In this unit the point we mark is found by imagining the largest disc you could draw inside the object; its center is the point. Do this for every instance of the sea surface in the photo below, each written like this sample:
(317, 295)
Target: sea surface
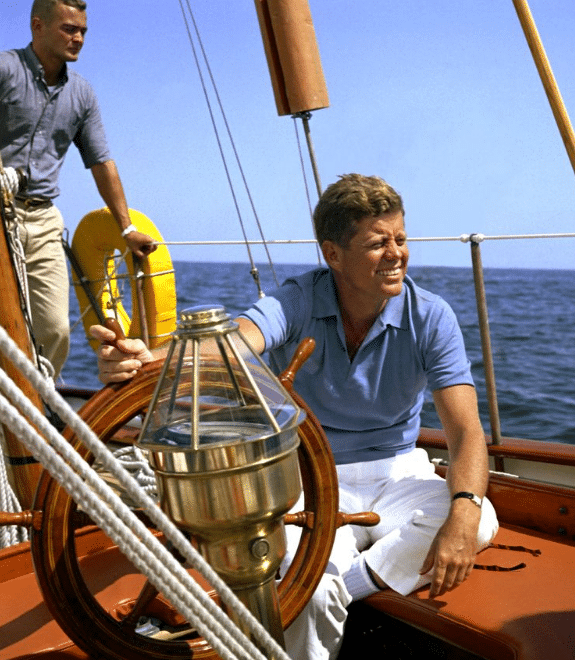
(531, 317)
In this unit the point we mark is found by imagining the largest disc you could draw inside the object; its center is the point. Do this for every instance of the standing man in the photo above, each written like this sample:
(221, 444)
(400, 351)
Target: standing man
(44, 107)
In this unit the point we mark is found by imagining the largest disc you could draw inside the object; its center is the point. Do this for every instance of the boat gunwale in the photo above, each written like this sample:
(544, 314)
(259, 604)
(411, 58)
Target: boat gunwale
(539, 451)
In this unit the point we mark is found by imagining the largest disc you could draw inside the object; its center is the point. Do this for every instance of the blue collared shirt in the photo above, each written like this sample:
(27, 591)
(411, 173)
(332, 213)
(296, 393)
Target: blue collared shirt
(369, 407)
(37, 125)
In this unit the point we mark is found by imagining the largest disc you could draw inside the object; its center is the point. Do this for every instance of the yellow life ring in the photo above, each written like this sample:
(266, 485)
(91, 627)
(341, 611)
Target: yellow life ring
(95, 241)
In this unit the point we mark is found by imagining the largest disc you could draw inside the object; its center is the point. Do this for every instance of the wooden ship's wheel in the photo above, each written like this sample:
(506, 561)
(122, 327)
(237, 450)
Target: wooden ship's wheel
(102, 633)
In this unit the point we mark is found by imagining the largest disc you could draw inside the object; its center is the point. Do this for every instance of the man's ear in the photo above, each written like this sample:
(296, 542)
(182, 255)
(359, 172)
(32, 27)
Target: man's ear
(35, 24)
(331, 253)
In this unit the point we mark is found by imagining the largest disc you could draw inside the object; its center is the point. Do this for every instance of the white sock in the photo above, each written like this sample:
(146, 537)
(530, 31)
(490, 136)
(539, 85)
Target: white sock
(358, 580)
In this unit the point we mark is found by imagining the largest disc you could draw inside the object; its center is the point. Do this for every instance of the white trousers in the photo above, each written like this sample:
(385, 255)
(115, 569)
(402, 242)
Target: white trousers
(412, 502)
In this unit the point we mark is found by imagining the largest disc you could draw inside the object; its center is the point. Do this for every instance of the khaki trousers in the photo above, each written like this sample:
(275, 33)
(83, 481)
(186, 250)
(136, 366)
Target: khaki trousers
(40, 229)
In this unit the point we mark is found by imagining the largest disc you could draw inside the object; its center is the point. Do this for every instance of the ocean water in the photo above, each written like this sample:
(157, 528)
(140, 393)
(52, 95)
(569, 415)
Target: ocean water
(531, 317)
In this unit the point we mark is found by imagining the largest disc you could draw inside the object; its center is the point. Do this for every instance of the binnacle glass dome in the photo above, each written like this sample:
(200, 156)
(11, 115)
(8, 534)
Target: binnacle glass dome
(214, 390)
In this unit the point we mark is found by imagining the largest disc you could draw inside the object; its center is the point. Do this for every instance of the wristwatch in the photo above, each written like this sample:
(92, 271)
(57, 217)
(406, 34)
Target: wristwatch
(470, 496)
(129, 229)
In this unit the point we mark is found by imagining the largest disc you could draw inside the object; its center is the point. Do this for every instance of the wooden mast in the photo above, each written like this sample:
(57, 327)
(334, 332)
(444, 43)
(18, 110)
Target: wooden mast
(21, 465)
(547, 78)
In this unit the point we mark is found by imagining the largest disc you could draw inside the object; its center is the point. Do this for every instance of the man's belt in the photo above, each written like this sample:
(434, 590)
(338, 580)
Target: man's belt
(33, 201)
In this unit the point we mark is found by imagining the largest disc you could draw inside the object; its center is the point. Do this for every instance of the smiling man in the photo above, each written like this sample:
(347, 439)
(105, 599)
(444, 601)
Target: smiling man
(44, 107)
(380, 342)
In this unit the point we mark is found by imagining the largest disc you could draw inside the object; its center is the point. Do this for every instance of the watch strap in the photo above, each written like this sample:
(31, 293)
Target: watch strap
(470, 496)
(128, 230)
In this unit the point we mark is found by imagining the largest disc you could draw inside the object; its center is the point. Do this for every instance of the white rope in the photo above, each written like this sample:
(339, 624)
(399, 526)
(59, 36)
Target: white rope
(19, 257)
(132, 459)
(9, 180)
(117, 519)
(158, 564)
(155, 562)
(9, 535)
(46, 367)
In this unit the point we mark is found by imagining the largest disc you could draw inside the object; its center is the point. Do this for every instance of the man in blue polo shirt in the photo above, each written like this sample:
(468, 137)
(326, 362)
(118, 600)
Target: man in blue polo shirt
(44, 107)
(380, 342)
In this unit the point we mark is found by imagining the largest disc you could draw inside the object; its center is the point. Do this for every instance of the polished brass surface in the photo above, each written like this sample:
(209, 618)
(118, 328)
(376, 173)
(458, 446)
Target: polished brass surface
(208, 504)
(234, 448)
(221, 436)
(205, 320)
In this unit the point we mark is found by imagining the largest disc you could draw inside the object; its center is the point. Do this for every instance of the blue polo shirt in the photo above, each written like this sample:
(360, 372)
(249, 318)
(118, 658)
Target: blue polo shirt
(369, 408)
(38, 124)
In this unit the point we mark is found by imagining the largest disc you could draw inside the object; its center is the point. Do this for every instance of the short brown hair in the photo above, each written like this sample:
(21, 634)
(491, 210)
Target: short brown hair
(346, 202)
(45, 8)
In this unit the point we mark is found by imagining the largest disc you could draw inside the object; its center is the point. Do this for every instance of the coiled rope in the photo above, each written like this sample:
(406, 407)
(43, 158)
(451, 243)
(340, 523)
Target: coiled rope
(119, 522)
(9, 535)
(132, 459)
(9, 180)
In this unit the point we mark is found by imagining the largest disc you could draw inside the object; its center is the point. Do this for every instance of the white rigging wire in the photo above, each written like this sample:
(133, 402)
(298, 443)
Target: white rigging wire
(463, 238)
(246, 242)
(305, 183)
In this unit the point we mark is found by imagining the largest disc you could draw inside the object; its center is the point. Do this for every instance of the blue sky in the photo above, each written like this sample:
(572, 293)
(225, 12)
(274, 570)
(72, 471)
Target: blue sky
(440, 98)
